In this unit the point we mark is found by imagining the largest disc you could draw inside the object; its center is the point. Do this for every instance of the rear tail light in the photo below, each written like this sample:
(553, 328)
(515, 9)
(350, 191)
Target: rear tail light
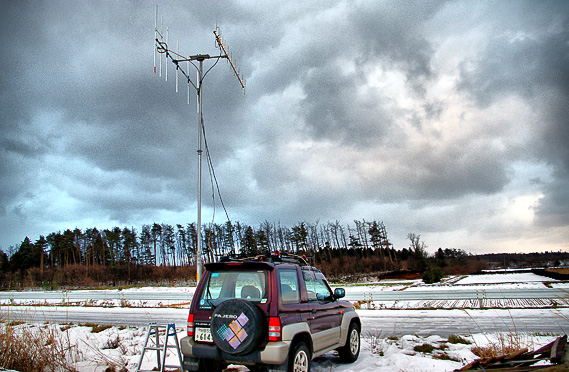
(190, 324)
(275, 329)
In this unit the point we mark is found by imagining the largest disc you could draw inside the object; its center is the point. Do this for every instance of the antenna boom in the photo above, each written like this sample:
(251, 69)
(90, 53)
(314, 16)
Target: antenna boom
(225, 54)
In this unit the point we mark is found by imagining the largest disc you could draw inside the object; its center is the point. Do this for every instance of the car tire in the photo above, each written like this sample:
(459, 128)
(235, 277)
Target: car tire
(210, 365)
(257, 368)
(349, 353)
(237, 326)
(300, 358)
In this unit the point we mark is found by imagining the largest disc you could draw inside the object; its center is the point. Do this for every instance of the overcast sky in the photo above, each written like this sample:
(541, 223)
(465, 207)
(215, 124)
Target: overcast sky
(448, 119)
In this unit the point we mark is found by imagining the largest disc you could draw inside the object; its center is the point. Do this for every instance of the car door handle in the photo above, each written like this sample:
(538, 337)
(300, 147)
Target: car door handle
(313, 311)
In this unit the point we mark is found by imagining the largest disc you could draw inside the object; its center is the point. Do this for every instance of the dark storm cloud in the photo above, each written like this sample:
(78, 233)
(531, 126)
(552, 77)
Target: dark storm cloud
(360, 34)
(86, 69)
(432, 174)
(348, 109)
(334, 110)
(553, 209)
(394, 31)
(533, 64)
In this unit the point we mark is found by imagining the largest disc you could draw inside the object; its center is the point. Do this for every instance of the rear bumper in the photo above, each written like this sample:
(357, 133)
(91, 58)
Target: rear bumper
(273, 353)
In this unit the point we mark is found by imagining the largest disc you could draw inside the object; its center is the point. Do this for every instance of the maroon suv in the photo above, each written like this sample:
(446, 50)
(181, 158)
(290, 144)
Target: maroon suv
(267, 313)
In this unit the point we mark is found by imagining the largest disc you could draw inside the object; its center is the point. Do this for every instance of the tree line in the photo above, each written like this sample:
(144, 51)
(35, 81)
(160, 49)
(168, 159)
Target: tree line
(163, 251)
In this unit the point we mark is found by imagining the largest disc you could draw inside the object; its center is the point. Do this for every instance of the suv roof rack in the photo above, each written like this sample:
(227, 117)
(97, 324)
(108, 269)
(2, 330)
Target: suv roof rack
(271, 257)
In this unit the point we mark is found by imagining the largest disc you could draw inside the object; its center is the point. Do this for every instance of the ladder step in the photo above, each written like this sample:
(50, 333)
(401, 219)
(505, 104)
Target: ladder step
(160, 347)
(157, 348)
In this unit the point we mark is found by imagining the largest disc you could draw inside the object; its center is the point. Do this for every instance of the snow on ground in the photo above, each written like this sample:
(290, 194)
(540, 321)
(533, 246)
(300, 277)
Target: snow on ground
(382, 285)
(120, 347)
(503, 278)
(480, 286)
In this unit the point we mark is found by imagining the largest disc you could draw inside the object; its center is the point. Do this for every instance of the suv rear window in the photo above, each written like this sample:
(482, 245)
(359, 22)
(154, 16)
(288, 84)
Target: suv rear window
(225, 285)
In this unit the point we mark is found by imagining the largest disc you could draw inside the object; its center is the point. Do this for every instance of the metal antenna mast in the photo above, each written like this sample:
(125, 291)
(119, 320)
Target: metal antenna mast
(161, 47)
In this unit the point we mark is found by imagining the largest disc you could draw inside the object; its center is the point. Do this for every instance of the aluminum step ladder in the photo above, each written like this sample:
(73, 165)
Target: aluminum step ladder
(153, 336)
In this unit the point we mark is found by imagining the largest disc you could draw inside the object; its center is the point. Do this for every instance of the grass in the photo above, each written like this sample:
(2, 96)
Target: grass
(456, 339)
(96, 328)
(494, 345)
(373, 284)
(424, 348)
(14, 323)
(427, 348)
(30, 349)
(444, 356)
(439, 349)
(118, 287)
(502, 344)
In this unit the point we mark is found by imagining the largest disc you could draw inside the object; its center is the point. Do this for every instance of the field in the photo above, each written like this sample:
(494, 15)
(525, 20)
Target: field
(92, 348)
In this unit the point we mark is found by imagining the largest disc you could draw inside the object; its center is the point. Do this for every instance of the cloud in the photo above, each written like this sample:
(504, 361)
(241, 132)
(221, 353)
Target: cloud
(533, 64)
(443, 118)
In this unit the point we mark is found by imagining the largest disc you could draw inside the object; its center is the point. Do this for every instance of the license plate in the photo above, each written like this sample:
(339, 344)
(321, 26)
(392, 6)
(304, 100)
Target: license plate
(203, 335)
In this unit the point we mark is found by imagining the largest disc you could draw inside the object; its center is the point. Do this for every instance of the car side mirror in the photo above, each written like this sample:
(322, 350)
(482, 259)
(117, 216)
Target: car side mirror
(339, 293)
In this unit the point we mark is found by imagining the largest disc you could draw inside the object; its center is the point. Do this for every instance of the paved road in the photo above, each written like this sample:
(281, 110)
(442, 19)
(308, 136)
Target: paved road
(447, 322)
(381, 323)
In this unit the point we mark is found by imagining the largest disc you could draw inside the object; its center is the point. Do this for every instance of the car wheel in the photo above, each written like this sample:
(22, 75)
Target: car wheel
(300, 358)
(349, 353)
(237, 326)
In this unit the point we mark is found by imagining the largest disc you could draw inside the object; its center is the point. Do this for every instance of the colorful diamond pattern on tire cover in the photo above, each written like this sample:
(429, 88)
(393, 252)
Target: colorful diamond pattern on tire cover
(234, 334)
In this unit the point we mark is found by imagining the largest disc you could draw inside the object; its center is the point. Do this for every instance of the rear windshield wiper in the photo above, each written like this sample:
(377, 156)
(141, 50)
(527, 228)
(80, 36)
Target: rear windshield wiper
(208, 298)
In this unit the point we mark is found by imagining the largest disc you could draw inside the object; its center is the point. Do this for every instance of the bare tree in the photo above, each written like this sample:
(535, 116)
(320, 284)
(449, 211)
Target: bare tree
(417, 246)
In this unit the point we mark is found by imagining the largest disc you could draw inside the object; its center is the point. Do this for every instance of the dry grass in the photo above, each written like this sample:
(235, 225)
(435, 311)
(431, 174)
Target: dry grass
(502, 344)
(424, 348)
(29, 349)
(559, 270)
(96, 328)
(456, 339)
(48, 347)
(375, 342)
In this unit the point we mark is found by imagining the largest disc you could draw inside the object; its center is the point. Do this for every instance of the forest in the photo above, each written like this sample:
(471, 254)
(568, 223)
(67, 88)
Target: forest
(162, 253)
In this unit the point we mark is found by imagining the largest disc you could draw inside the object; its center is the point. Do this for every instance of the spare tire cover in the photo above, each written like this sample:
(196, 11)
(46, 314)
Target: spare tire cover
(237, 326)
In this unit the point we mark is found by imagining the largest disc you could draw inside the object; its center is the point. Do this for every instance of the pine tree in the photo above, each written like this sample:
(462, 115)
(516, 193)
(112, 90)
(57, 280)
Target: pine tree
(40, 246)
(228, 239)
(249, 243)
(156, 232)
(299, 236)
(168, 246)
(27, 256)
(192, 233)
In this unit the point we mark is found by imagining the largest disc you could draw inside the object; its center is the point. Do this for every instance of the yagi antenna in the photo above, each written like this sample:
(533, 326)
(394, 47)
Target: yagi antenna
(161, 48)
(222, 48)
